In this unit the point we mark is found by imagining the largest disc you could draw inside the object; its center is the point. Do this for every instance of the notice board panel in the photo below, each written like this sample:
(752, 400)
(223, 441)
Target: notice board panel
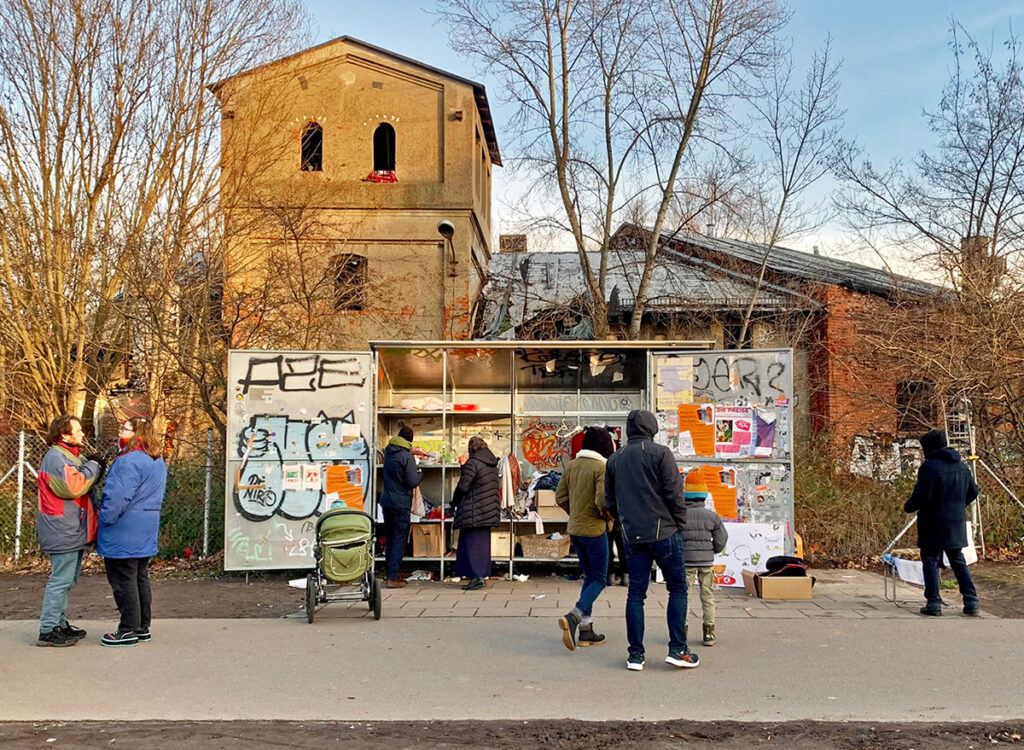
(728, 415)
(299, 429)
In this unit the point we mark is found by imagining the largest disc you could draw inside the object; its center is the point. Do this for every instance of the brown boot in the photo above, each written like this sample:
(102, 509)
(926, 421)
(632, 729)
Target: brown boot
(396, 584)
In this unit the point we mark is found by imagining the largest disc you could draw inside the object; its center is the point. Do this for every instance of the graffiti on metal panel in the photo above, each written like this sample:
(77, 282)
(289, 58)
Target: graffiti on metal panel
(270, 441)
(293, 374)
(542, 446)
(717, 377)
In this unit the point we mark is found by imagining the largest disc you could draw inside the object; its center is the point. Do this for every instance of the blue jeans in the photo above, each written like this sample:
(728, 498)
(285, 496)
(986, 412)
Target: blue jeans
(593, 554)
(930, 560)
(65, 568)
(668, 553)
(396, 531)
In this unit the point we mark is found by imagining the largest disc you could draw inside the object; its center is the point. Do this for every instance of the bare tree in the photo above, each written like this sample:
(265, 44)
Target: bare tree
(611, 96)
(957, 209)
(108, 153)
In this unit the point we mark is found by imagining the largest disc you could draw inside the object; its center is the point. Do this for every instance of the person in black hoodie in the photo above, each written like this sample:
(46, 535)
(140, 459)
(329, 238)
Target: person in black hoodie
(401, 476)
(477, 502)
(644, 491)
(944, 489)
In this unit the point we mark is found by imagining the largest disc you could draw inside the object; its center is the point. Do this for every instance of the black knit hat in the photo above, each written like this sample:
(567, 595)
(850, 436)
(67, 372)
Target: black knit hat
(405, 433)
(598, 440)
(933, 441)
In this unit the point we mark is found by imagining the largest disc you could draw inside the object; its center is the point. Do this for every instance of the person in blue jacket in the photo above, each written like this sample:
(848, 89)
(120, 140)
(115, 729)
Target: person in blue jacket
(129, 522)
(401, 476)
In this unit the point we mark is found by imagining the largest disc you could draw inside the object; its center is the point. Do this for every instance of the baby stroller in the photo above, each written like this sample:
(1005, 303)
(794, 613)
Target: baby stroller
(344, 562)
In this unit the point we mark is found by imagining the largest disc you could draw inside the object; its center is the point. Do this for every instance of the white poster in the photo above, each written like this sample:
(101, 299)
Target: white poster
(749, 546)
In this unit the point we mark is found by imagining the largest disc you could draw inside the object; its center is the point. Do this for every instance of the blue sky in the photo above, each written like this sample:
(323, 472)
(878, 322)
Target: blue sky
(895, 56)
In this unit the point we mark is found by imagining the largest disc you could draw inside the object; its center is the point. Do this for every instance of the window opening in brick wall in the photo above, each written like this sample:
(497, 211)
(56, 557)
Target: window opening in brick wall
(312, 157)
(731, 335)
(384, 148)
(349, 281)
(915, 402)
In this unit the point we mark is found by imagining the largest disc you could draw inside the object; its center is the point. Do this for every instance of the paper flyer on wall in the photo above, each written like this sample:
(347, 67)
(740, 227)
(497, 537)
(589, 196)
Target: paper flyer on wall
(734, 431)
(346, 482)
(292, 477)
(675, 382)
(764, 425)
(311, 479)
(749, 547)
(698, 420)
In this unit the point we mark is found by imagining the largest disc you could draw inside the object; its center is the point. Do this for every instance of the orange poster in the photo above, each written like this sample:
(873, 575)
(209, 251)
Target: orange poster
(721, 484)
(698, 421)
(347, 481)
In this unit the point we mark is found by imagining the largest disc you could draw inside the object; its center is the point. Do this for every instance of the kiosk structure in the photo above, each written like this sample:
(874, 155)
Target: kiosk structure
(307, 429)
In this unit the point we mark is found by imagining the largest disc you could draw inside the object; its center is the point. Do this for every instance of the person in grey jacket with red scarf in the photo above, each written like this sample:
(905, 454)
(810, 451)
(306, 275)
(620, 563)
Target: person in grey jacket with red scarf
(66, 523)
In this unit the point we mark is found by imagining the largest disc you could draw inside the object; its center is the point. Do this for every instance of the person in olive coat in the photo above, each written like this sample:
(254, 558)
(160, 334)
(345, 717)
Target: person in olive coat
(477, 502)
(944, 489)
(581, 493)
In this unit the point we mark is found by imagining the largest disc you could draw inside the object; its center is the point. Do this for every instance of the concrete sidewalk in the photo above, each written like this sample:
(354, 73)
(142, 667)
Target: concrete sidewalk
(789, 665)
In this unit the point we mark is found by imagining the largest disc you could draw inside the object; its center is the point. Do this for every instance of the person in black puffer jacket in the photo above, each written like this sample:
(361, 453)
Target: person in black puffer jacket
(400, 476)
(477, 502)
(944, 489)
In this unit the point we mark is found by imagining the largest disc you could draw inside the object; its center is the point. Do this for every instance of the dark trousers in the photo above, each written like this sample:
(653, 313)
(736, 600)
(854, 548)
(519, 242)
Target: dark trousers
(931, 559)
(396, 531)
(617, 550)
(129, 579)
(668, 553)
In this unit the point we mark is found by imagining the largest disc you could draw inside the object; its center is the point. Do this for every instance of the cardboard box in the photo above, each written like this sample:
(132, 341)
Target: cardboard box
(552, 513)
(501, 543)
(426, 539)
(777, 587)
(546, 499)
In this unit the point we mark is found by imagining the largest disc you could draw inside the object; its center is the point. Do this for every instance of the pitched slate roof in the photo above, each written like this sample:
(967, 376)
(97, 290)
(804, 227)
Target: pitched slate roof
(524, 284)
(785, 261)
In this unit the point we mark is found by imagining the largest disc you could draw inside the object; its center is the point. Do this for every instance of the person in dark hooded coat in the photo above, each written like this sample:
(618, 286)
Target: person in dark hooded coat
(477, 502)
(944, 489)
(644, 491)
(400, 476)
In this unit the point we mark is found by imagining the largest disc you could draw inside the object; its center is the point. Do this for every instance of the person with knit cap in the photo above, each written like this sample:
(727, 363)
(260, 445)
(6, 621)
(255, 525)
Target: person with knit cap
(400, 476)
(704, 536)
(944, 489)
(581, 494)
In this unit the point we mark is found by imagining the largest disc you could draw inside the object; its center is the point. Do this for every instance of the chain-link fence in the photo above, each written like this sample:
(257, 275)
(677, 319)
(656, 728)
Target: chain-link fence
(191, 523)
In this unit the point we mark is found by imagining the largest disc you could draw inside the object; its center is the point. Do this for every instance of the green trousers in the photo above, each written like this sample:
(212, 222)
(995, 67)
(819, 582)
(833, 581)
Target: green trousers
(706, 580)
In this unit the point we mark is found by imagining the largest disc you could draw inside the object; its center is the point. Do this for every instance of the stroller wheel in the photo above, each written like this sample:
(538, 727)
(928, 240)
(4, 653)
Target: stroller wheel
(310, 597)
(376, 599)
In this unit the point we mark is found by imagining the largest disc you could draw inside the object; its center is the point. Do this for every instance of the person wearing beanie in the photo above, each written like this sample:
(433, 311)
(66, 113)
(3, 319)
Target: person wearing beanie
(703, 538)
(400, 476)
(944, 489)
(581, 494)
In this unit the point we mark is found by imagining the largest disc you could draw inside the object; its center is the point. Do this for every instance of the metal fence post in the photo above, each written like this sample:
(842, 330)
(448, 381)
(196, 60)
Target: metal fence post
(207, 491)
(21, 494)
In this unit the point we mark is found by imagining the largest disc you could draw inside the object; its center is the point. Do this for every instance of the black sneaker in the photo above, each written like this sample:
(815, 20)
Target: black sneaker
(635, 662)
(587, 636)
(683, 659)
(972, 610)
(127, 638)
(931, 611)
(569, 623)
(143, 635)
(56, 637)
(69, 629)
(474, 584)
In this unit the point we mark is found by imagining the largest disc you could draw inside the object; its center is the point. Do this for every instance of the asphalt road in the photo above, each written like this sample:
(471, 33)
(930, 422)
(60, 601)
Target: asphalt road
(948, 669)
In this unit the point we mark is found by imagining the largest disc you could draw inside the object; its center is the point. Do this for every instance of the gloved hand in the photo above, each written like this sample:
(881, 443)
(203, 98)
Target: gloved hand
(100, 460)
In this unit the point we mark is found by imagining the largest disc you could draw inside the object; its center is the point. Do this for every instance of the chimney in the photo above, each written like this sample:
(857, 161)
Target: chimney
(512, 243)
(978, 266)
(709, 229)
(816, 250)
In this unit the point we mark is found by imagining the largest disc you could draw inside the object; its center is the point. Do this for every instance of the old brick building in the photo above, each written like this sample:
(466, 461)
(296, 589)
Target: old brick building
(832, 312)
(356, 191)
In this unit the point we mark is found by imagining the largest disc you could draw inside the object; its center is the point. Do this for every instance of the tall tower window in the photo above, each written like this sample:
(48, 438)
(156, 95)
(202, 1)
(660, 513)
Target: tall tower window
(349, 273)
(384, 148)
(312, 148)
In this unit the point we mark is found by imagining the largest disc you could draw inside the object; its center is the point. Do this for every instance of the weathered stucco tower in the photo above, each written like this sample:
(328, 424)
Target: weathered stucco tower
(356, 194)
